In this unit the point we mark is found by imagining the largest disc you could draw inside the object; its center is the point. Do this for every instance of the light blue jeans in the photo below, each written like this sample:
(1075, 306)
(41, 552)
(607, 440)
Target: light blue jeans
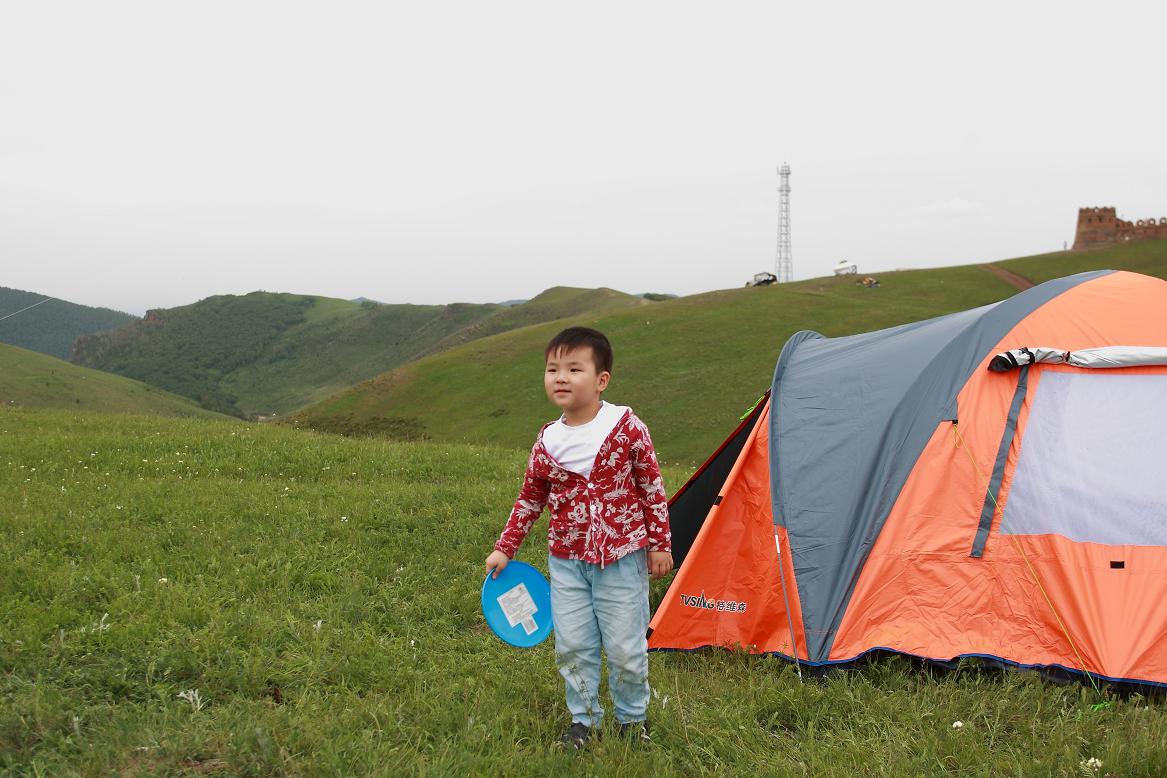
(593, 607)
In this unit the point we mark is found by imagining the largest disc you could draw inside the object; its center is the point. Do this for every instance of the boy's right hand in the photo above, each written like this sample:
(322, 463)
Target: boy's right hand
(496, 562)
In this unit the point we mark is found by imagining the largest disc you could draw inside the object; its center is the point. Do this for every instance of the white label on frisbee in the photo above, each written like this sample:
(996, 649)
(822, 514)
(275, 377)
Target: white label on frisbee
(518, 607)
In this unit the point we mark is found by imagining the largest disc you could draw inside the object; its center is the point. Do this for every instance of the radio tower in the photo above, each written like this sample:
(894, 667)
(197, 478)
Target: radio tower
(784, 263)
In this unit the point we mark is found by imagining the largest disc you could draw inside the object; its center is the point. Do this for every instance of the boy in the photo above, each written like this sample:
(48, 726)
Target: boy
(596, 470)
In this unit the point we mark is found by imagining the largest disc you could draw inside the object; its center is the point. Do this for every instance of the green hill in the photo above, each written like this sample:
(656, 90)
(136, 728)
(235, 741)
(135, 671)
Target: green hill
(555, 303)
(37, 380)
(689, 366)
(268, 353)
(51, 327)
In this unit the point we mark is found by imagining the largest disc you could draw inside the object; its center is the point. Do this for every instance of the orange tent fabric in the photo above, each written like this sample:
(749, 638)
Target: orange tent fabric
(734, 563)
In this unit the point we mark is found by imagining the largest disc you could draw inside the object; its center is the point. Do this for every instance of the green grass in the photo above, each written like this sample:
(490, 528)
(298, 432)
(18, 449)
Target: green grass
(689, 366)
(322, 595)
(35, 380)
(1146, 257)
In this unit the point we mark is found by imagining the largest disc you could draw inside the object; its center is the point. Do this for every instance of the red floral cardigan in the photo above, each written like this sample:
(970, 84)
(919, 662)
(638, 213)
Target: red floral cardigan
(622, 508)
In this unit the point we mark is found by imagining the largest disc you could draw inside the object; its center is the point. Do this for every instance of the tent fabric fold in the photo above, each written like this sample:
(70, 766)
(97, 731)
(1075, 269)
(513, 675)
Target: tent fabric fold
(1104, 357)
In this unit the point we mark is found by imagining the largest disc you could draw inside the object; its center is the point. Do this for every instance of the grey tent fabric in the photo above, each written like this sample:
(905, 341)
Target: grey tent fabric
(849, 417)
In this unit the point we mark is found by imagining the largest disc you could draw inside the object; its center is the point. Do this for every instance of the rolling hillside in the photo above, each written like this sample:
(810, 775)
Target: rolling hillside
(556, 303)
(51, 327)
(29, 379)
(268, 353)
(689, 366)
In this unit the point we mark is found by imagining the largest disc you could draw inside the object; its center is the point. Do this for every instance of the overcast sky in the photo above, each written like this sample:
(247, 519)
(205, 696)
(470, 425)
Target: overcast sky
(155, 153)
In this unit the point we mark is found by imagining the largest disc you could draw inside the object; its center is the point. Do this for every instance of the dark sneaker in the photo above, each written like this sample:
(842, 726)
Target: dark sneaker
(578, 735)
(636, 731)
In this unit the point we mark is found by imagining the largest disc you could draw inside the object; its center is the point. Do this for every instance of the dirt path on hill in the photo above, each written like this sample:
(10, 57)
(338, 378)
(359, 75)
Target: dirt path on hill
(1008, 276)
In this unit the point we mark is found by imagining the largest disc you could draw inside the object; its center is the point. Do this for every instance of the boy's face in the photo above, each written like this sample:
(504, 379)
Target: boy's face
(571, 379)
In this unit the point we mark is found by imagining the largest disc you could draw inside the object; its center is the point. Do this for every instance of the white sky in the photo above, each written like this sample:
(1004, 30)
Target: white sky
(154, 153)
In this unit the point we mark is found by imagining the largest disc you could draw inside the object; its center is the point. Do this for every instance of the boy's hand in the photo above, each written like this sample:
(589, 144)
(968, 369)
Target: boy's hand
(498, 560)
(659, 563)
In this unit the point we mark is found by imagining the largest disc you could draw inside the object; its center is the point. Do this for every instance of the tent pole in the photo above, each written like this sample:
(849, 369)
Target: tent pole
(786, 600)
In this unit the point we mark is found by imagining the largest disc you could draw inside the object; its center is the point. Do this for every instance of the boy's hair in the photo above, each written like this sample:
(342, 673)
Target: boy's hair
(578, 337)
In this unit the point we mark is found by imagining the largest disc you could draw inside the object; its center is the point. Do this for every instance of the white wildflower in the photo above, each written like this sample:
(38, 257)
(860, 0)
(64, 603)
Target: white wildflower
(162, 580)
(318, 624)
(957, 724)
(192, 696)
(1093, 763)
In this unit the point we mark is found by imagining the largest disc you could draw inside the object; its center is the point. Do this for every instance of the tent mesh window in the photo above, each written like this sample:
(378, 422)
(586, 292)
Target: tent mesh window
(1090, 466)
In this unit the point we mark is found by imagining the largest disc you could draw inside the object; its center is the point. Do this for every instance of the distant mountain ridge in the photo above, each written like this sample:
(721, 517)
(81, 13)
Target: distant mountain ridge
(271, 353)
(51, 327)
(552, 304)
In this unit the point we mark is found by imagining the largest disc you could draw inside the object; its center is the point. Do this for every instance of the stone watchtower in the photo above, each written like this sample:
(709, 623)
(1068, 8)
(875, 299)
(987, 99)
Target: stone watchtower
(1096, 227)
(1101, 227)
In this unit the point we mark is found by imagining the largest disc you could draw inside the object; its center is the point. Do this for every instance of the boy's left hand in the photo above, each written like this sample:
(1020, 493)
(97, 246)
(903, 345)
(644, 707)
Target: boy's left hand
(659, 563)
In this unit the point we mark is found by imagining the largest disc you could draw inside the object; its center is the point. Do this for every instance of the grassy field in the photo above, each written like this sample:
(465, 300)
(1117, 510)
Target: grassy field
(199, 597)
(689, 366)
(35, 380)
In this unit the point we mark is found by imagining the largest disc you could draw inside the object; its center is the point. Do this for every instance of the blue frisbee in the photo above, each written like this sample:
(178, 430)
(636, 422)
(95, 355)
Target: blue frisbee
(517, 605)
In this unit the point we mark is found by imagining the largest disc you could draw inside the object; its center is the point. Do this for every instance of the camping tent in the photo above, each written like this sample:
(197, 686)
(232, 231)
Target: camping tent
(990, 483)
